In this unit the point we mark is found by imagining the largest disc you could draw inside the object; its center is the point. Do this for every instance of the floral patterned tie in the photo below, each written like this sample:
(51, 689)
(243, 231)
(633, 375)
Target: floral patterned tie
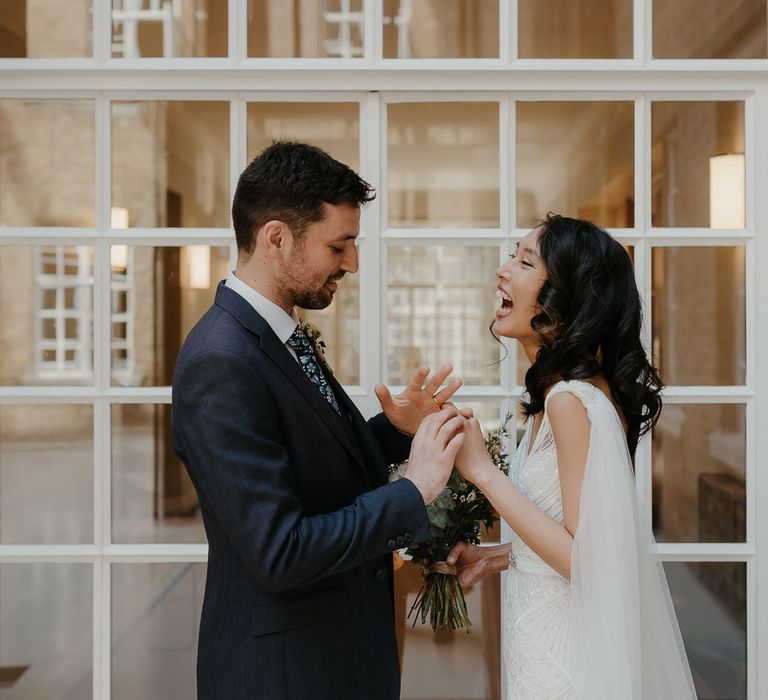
(308, 361)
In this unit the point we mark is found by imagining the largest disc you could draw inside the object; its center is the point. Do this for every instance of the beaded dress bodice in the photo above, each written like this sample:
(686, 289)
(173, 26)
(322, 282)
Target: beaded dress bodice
(541, 653)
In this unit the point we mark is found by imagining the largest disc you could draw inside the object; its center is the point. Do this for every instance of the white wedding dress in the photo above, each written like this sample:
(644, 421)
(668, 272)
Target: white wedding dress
(611, 633)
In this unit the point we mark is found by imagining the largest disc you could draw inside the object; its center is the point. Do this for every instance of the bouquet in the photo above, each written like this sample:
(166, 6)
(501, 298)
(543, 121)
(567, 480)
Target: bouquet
(455, 515)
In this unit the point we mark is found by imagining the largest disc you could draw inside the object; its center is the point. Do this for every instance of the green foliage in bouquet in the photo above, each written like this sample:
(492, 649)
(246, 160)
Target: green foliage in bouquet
(455, 515)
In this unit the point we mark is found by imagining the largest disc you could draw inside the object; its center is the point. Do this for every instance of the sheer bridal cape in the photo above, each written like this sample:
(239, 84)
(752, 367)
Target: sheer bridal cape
(631, 648)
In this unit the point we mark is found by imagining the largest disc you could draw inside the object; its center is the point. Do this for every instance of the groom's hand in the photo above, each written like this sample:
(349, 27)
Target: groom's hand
(433, 451)
(418, 400)
(474, 563)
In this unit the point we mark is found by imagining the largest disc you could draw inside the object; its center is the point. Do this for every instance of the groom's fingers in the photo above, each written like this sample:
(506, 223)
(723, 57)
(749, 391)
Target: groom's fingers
(439, 377)
(383, 395)
(445, 393)
(417, 382)
(455, 553)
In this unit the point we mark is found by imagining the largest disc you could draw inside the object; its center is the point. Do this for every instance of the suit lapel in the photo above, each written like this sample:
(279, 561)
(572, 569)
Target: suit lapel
(249, 318)
(276, 352)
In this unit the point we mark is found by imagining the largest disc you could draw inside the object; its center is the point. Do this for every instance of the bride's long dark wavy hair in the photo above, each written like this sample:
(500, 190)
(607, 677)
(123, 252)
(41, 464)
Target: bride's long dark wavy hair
(590, 323)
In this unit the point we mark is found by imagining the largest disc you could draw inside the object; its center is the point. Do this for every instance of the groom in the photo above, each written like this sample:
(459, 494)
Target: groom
(292, 481)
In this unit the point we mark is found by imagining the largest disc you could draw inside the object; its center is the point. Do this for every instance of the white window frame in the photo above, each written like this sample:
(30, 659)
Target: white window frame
(375, 82)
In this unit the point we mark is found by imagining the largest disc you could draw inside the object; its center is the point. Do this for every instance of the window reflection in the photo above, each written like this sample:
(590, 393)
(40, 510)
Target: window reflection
(47, 180)
(153, 499)
(687, 138)
(574, 28)
(45, 29)
(710, 602)
(45, 628)
(709, 29)
(576, 159)
(441, 301)
(332, 126)
(699, 472)
(157, 296)
(170, 163)
(317, 29)
(441, 28)
(168, 28)
(46, 474)
(443, 164)
(699, 315)
(46, 315)
(155, 622)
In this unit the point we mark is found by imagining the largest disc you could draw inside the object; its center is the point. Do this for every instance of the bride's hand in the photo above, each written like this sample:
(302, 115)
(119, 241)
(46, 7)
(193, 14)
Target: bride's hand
(472, 461)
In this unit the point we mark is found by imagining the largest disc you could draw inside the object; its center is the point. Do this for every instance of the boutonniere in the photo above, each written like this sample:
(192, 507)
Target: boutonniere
(313, 335)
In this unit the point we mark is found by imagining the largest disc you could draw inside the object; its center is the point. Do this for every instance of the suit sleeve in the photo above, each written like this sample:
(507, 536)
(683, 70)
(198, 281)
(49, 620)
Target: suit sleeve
(228, 433)
(394, 445)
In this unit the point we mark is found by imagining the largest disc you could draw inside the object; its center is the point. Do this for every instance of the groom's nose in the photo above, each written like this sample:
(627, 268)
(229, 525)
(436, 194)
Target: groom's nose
(350, 263)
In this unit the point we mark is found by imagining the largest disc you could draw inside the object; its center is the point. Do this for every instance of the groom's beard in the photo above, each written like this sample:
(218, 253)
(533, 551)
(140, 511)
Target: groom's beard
(316, 298)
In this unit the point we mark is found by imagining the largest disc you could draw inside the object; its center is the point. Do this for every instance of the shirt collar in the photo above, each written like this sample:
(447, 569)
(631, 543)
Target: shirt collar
(279, 321)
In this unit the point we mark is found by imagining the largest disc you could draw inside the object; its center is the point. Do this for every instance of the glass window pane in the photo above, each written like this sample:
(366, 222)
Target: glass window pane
(181, 28)
(332, 126)
(45, 29)
(709, 29)
(699, 472)
(699, 315)
(711, 604)
(46, 474)
(330, 29)
(46, 622)
(574, 29)
(339, 325)
(441, 28)
(158, 294)
(155, 622)
(443, 161)
(575, 159)
(170, 164)
(441, 303)
(697, 162)
(153, 499)
(43, 289)
(449, 664)
(47, 156)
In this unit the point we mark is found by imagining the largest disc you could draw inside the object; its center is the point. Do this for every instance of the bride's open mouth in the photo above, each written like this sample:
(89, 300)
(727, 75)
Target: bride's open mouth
(506, 304)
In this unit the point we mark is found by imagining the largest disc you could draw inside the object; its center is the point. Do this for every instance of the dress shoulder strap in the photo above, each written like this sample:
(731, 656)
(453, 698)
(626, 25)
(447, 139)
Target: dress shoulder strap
(584, 391)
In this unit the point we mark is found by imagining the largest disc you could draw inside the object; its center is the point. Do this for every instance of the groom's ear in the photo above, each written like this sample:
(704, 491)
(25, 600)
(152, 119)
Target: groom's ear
(273, 234)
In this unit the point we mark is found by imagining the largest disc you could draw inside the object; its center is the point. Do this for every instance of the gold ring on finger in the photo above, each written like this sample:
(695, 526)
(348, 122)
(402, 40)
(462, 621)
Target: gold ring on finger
(437, 403)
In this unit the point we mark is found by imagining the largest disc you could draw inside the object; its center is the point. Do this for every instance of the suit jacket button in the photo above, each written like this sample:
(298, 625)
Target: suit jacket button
(408, 537)
(400, 541)
(391, 544)
(381, 574)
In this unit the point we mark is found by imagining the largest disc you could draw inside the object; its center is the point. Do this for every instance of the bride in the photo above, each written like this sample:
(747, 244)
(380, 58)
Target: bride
(586, 611)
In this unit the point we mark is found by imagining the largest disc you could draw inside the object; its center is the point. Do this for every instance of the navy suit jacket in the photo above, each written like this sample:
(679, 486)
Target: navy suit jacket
(300, 520)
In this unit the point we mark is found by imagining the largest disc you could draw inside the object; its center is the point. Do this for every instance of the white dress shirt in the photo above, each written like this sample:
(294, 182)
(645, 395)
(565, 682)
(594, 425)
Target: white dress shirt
(279, 321)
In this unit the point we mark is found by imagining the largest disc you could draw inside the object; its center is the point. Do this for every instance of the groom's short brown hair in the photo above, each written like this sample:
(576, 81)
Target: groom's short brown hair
(290, 182)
